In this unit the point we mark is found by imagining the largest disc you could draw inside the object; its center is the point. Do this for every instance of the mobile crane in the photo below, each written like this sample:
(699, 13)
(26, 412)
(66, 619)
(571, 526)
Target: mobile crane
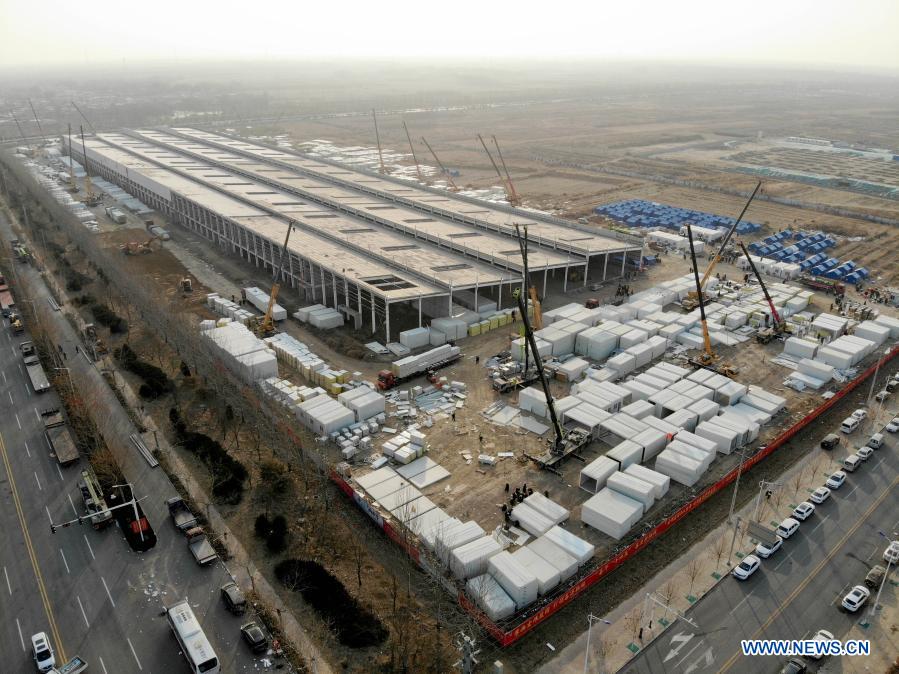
(691, 301)
(768, 333)
(265, 326)
(511, 195)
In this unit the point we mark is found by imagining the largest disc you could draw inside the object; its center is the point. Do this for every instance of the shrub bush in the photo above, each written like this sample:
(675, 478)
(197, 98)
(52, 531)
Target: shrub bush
(106, 316)
(262, 527)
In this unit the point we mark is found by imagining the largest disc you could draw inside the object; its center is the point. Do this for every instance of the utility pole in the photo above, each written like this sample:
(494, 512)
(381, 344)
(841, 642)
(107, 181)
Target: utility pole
(466, 646)
(590, 620)
(733, 503)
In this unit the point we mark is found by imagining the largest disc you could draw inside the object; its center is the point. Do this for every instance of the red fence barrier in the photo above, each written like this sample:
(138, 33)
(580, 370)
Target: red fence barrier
(506, 638)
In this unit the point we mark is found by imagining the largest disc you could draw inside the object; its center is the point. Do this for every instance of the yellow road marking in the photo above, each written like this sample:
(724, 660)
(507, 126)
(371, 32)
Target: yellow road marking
(790, 597)
(57, 639)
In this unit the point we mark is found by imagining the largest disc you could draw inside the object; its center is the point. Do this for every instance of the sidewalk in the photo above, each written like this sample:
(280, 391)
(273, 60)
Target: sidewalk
(691, 576)
(116, 427)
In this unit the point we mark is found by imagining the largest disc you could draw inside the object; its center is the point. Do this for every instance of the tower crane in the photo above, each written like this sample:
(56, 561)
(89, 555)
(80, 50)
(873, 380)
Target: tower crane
(446, 173)
(516, 200)
(39, 128)
(73, 186)
(378, 140)
(690, 302)
(511, 195)
(414, 158)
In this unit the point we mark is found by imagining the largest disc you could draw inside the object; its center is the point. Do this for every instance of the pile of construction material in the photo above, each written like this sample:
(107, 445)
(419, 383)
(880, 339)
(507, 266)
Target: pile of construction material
(405, 447)
(296, 354)
(323, 415)
(451, 329)
(363, 401)
(260, 299)
(319, 316)
(243, 353)
(287, 393)
(225, 307)
(357, 437)
(411, 365)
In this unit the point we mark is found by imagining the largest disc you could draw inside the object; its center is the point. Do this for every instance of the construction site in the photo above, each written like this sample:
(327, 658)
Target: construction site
(518, 404)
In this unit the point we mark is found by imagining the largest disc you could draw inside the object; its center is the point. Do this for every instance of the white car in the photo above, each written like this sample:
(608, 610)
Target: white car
(787, 528)
(860, 414)
(820, 495)
(764, 550)
(893, 426)
(865, 453)
(891, 554)
(803, 511)
(880, 396)
(823, 636)
(746, 568)
(42, 651)
(836, 480)
(856, 598)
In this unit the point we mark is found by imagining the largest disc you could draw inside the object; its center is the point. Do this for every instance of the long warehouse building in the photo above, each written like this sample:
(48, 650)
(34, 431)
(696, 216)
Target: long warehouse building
(360, 242)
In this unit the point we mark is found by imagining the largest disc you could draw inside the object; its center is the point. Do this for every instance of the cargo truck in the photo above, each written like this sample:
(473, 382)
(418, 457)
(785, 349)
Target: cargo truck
(425, 363)
(7, 302)
(132, 521)
(33, 368)
(94, 503)
(59, 437)
(199, 546)
(182, 517)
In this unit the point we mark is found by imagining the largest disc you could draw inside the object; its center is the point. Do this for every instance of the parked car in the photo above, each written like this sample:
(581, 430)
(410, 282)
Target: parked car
(836, 480)
(891, 554)
(893, 426)
(254, 637)
(849, 425)
(880, 396)
(861, 414)
(820, 495)
(787, 528)
(803, 511)
(765, 550)
(830, 441)
(42, 652)
(856, 598)
(746, 568)
(852, 462)
(821, 635)
(875, 576)
(876, 441)
(793, 666)
(865, 453)
(233, 598)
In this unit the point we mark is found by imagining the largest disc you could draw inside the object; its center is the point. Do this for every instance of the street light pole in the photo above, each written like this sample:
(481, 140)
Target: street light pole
(733, 503)
(882, 582)
(874, 378)
(590, 619)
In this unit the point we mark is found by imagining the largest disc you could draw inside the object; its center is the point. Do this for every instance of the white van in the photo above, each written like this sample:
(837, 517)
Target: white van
(876, 441)
(850, 463)
(849, 424)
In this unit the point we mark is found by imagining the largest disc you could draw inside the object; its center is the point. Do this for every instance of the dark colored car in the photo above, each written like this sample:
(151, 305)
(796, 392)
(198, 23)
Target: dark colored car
(233, 598)
(875, 576)
(830, 441)
(254, 637)
(793, 666)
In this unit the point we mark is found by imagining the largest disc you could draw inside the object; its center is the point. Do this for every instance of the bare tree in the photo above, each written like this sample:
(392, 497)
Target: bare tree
(693, 568)
(719, 549)
(666, 592)
(634, 620)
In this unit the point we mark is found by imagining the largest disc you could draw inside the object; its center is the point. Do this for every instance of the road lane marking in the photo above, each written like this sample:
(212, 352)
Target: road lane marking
(4, 376)
(813, 573)
(72, 503)
(37, 414)
(17, 420)
(851, 491)
(823, 520)
(102, 664)
(27, 390)
(13, 349)
(49, 517)
(21, 638)
(9, 393)
(8, 586)
(106, 587)
(734, 609)
(42, 590)
(781, 562)
(90, 549)
(63, 555)
(59, 470)
(687, 654)
(131, 646)
(83, 614)
(39, 487)
(27, 451)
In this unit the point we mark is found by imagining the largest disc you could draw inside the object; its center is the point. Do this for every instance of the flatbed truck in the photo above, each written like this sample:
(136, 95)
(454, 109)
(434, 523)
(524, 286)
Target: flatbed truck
(59, 436)
(33, 368)
(199, 546)
(182, 517)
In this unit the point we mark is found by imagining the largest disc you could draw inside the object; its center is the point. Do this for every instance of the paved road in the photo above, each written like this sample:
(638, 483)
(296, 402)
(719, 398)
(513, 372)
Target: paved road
(87, 589)
(799, 589)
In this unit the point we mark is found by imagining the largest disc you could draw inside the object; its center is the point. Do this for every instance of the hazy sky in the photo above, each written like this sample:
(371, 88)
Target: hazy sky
(808, 32)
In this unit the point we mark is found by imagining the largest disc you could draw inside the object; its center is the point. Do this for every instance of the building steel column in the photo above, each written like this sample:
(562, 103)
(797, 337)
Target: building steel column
(586, 270)
(374, 325)
(605, 266)
(623, 261)
(565, 279)
(387, 322)
(324, 287)
(334, 284)
(419, 310)
(545, 276)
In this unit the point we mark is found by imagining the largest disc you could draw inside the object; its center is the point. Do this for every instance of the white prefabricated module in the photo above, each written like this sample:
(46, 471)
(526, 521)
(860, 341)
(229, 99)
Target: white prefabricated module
(832, 356)
(572, 369)
(594, 474)
(739, 421)
(683, 419)
(514, 577)
(452, 328)
(633, 338)
(452, 537)
(659, 344)
(703, 457)
(872, 331)
(641, 352)
(415, 338)
(633, 487)
(575, 546)
(323, 415)
(260, 299)
(800, 347)
(891, 322)
(678, 467)
(302, 314)
(552, 553)
(471, 559)
(730, 393)
(612, 512)
(427, 521)
(411, 365)
(364, 402)
(547, 507)
(596, 343)
(659, 482)
(663, 425)
(696, 441)
(626, 453)
(622, 363)
(752, 413)
(652, 382)
(638, 409)
(548, 576)
(725, 440)
(326, 319)
(706, 409)
(586, 416)
(533, 400)
(639, 391)
(531, 520)
(652, 440)
(765, 405)
(490, 597)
